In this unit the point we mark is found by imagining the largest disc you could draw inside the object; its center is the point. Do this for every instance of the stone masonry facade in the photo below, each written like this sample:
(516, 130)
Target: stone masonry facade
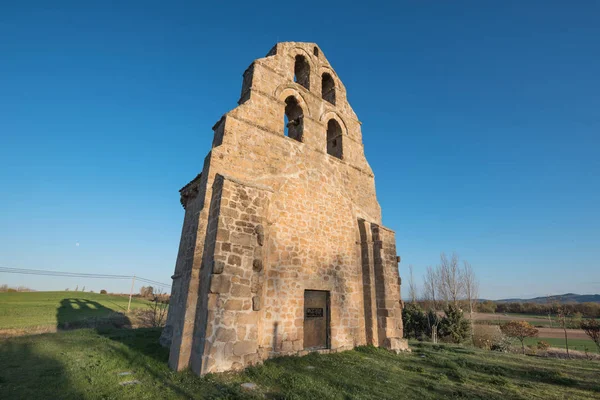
(285, 203)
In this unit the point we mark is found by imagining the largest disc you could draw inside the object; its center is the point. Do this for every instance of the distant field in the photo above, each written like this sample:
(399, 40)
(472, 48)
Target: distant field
(25, 310)
(574, 344)
(508, 317)
(500, 318)
(540, 322)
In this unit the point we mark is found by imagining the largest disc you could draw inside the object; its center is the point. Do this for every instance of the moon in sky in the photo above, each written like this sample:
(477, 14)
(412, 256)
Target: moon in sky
(76, 244)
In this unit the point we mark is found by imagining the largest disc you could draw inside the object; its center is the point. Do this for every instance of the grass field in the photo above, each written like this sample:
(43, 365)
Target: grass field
(23, 310)
(574, 344)
(85, 364)
(536, 322)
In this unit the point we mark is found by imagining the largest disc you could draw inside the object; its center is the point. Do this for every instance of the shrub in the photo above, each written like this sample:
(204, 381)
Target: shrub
(543, 345)
(103, 291)
(147, 291)
(502, 345)
(484, 336)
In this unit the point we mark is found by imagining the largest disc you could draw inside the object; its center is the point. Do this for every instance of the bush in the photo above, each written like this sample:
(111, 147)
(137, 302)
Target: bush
(103, 291)
(484, 336)
(147, 291)
(543, 345)
(502, 345)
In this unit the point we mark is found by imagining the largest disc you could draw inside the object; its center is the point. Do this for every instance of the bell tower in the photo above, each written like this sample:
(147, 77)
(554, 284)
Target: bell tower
(282, 249)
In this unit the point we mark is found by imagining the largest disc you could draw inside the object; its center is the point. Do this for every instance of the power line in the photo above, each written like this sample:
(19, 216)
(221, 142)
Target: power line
(76, 275)
(58, 273)
(151, 281)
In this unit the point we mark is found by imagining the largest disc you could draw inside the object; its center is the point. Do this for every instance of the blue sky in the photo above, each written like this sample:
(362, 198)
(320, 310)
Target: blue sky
(481, 121)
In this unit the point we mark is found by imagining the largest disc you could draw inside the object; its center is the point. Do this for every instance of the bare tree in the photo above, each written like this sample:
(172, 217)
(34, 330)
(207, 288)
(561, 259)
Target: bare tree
(471, 289)
(430, 295)
(430, 287)
(564, 315)
(451, 286)
(158, 308)
(550, 307)
(412, 287)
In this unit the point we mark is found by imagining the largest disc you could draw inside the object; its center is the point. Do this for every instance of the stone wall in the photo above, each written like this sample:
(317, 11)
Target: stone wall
(270, 217)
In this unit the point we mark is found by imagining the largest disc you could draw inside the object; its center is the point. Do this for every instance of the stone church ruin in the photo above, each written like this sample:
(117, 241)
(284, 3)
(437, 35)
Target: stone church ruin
(282, 249)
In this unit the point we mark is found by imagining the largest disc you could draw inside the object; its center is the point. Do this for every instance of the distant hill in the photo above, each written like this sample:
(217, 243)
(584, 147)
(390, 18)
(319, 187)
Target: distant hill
(563, 298)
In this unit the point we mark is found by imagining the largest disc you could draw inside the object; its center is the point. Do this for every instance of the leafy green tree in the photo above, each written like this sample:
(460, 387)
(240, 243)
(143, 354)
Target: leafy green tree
(414, 320)
(454, 326)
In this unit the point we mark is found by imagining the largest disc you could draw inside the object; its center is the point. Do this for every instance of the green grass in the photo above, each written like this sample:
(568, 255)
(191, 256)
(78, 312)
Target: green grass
(84, 364)
(574, 344)
(519, 315)
(19, 310)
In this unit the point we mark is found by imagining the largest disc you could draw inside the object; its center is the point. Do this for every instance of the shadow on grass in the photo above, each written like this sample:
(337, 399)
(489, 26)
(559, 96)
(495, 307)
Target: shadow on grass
(24, 370)
(142, 350)
(76, 313)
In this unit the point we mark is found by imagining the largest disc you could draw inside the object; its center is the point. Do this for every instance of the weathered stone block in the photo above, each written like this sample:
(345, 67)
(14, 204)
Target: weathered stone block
(260, 234)
(256, 303)
(239, 290)
(244, 239)
(255, 285)
(233, 305)
(218, 267)
(244, 347)
(220, 284)
(257, 265)
(225, 335)
(234, 260)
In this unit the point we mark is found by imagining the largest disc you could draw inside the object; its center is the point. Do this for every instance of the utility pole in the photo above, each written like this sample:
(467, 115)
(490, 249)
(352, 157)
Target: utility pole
(131, 293)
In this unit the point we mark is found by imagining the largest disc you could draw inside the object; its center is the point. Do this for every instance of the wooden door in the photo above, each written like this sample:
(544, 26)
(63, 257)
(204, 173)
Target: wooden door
(316, 319)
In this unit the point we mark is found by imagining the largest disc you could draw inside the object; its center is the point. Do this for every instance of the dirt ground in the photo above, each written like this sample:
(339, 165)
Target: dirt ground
(560, 334)
(507, 317)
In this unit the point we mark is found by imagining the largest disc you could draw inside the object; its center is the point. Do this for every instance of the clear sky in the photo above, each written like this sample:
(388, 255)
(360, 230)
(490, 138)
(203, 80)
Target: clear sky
(481, 121)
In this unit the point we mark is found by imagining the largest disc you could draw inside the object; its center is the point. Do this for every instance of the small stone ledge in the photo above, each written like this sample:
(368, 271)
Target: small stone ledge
(248, 184)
